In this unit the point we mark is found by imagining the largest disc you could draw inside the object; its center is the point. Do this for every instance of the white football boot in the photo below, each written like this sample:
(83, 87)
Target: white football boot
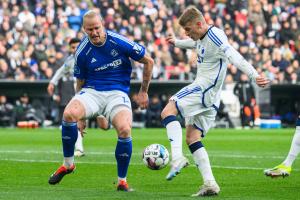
(209, 188)
(176, 166)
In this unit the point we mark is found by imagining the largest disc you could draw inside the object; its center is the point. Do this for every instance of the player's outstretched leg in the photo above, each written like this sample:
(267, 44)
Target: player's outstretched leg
(69, 137)
(284, 169)
(210, 186)
(174, 132)
(278, 171)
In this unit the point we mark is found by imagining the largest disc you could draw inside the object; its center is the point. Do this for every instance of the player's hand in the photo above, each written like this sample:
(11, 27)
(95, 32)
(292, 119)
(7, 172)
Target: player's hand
(50, 89)
(262, 81)
(81, 125)
(171, 39)
(143, 100)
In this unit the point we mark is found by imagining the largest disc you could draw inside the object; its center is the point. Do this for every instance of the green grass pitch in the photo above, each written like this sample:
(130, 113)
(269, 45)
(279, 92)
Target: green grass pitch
(238, 157)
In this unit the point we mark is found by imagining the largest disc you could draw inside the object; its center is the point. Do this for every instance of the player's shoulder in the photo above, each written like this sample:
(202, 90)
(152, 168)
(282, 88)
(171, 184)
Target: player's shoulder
(69, 60)
(118, 39)
(82, 47)
(216, 35)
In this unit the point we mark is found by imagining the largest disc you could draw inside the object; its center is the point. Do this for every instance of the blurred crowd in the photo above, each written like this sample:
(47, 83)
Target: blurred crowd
(34, 34)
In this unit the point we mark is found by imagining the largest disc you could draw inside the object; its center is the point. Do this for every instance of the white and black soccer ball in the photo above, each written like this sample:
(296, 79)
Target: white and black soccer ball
(156, 156)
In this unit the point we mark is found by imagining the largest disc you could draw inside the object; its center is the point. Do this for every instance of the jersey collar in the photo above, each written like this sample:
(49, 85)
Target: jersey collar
(206, 32)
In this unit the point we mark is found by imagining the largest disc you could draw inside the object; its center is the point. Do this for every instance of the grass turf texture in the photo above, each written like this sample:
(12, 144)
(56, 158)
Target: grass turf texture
(238, 157)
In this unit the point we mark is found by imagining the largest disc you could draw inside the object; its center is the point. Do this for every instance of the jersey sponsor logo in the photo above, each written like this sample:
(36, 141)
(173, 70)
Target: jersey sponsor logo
(137, 48)
(114, 53)
(114, 64)
(93, 60)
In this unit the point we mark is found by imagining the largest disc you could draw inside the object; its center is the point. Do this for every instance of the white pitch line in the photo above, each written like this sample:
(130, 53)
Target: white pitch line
(113, 163)
(113, 153)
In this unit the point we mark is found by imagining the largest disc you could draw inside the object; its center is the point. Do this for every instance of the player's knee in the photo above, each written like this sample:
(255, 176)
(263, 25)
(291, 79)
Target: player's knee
(124, 131)
(71, 115)
(163, 114)
(170, 109)
(192, 138)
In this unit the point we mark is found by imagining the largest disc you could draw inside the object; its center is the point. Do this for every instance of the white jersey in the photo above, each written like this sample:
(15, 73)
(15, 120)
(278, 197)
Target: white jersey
(213, 53)
(67, 69)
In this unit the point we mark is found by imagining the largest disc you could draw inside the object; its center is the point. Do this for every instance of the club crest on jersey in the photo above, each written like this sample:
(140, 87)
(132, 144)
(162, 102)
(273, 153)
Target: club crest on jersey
(137, 48)
(114, 53)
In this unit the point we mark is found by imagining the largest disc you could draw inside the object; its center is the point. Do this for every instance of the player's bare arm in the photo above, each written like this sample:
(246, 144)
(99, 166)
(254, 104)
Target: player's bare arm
(79, 84)
(171, 40)
(50, 89)
(262, 81)
(147, 74)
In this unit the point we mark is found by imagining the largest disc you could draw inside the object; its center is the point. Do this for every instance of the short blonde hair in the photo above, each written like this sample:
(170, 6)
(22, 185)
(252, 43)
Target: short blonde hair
(90, 14)
(190, 14)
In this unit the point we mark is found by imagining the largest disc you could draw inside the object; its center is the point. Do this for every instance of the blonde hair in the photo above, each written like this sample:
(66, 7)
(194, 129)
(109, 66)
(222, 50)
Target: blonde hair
(190, 14)
(90, 14)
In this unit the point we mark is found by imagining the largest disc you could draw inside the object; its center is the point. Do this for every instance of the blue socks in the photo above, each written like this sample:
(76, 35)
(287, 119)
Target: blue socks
(69, 137)
(123, 154)
(195, 146)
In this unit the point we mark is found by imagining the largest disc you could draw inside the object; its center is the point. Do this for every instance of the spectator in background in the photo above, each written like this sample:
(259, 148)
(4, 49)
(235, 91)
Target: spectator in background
(6, 112)
(24, 111)
(138, 114)
(250, 114)
(5, 71)
(153, 112)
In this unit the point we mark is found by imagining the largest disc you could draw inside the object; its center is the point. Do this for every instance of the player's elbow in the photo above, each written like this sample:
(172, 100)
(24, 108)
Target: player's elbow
(150, 62)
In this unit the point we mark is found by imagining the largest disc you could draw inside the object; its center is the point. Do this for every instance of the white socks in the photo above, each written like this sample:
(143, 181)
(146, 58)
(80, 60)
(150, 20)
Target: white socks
(202, 161)
(174, 132)
(68, 161)
(79, 143)
(295, 148)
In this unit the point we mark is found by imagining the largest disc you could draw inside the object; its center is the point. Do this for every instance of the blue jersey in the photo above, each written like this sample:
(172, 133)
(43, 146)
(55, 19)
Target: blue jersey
(107, 67)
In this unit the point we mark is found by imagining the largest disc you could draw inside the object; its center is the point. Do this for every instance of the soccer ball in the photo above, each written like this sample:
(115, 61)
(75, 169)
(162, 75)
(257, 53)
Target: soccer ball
(156, 156)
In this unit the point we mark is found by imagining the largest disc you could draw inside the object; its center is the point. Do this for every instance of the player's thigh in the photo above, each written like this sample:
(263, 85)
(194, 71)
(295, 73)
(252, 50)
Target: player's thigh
(115, 102)
(192, 134)
(122, 121)
(188, 100)
(202, 121)
(93, 102)
(74, 111)
(169, 109)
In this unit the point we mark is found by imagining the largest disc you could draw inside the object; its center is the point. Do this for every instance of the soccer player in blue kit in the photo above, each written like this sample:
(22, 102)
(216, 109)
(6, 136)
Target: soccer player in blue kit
(103, 69)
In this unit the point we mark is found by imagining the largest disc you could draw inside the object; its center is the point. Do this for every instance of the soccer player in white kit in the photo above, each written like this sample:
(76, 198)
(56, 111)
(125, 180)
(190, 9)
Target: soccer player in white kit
(198, 102)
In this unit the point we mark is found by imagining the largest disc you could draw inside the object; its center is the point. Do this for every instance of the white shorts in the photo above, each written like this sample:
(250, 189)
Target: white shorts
(189, 105)
(106, 103)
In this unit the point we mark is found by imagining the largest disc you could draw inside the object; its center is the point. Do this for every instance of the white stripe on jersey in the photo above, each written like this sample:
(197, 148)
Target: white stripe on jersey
(120, 37)
(81, 47)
